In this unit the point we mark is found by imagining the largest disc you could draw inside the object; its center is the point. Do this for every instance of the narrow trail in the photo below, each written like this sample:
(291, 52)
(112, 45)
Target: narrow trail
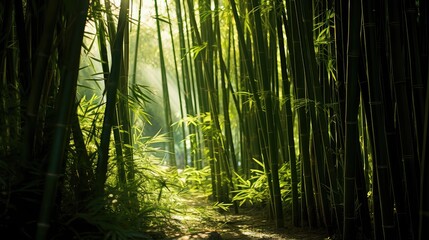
(200, 220)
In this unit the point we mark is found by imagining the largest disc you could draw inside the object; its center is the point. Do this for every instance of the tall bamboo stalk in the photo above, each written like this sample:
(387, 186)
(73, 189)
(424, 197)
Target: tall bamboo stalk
(76, 19)
(281, 19)
(103, 41)
(165, 94)
(341, 29)
(186, 79)
(179, 85)
(39, 77)
(111, 94)
(352, 106)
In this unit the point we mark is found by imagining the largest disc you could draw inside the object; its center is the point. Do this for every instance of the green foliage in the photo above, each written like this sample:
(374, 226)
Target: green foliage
(113, 216)
(194, 180)
(255, 190)
(286, 184)
(90, 113)
(196, 50)
(222, 206)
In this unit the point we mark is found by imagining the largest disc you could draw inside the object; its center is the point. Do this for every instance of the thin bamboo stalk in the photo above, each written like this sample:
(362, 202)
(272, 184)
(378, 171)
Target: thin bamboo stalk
(165, 94)
(281, 19)
(178, 83)
(341, 28)
(187, 79)
(111, 92)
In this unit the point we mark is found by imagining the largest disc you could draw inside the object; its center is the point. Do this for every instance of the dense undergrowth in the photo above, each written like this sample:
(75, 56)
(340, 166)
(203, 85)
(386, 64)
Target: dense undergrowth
(147, 206)
(160, 190)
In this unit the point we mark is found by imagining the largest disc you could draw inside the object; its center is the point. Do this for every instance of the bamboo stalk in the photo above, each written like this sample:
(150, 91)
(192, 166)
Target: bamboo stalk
(165, 95)
(41, 57)
(111, 92)
(352, 106)
(281, 19)
(178, 83)
(65, 106)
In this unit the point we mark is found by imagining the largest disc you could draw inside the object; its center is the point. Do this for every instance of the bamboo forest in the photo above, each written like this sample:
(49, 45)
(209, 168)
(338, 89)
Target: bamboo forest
(214, 119)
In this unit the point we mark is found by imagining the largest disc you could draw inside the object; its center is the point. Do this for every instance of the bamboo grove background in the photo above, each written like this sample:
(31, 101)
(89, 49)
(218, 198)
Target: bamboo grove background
(325, 102)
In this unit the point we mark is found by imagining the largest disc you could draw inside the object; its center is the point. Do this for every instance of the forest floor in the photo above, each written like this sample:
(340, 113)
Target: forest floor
(200, 220)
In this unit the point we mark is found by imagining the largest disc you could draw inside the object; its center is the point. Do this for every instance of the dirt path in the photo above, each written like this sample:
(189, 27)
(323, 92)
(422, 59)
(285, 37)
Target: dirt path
(201, 221)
